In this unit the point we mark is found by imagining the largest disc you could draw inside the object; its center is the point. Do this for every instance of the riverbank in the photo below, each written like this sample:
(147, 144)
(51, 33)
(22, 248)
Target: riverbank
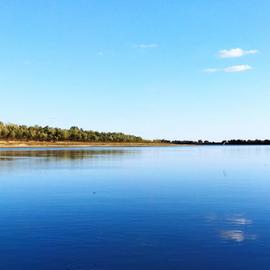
(11, 144)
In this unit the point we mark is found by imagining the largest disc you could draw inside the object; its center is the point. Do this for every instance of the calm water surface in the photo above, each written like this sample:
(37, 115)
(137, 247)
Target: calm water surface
(135, 208)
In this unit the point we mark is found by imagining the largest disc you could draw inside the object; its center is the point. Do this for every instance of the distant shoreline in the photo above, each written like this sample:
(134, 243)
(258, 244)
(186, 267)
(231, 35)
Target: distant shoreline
(16, 143)
(59, 144)
(12, 135)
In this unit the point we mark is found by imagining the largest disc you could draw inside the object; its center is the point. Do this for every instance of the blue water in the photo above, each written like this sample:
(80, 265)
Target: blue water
(135, 208)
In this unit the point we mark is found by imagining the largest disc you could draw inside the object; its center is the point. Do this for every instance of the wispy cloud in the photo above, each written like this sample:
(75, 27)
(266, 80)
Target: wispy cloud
(236, 52)
(230, 69)
(26, 62)
(210, 70)
(146, 46)
(238, 68)
(100, 53)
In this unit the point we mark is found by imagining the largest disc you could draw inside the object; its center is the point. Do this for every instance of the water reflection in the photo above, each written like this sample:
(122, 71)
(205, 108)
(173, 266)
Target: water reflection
(61, 153)
(237, 235)
(135, 208)
(239, 220)
(36, 158)
(234, 235)
(233, 227)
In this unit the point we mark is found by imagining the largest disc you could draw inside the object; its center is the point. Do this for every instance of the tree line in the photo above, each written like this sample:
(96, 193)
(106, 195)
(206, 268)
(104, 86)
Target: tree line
(39, 133)
(225, 142)
(75, 134)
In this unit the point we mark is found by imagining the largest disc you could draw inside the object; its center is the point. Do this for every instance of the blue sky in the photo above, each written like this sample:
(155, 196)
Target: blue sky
(159, 69)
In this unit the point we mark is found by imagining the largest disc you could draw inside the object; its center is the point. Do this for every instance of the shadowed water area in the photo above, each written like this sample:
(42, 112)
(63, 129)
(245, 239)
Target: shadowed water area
(135, 208)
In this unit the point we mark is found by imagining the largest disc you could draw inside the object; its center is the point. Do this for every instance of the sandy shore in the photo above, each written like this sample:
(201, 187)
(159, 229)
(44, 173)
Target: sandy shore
(8, 144)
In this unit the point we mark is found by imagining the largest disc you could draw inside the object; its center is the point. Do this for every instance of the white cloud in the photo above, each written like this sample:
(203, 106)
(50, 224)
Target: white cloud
(237, 68)
(237, 52)
(146, 46)
(100, 53)
(231, 69)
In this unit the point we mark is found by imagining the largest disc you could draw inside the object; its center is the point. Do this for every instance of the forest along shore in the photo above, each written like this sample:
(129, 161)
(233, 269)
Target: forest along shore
(15, 143)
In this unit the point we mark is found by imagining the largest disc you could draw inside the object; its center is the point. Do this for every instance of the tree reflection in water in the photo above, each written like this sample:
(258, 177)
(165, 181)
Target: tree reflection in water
(33, 157)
